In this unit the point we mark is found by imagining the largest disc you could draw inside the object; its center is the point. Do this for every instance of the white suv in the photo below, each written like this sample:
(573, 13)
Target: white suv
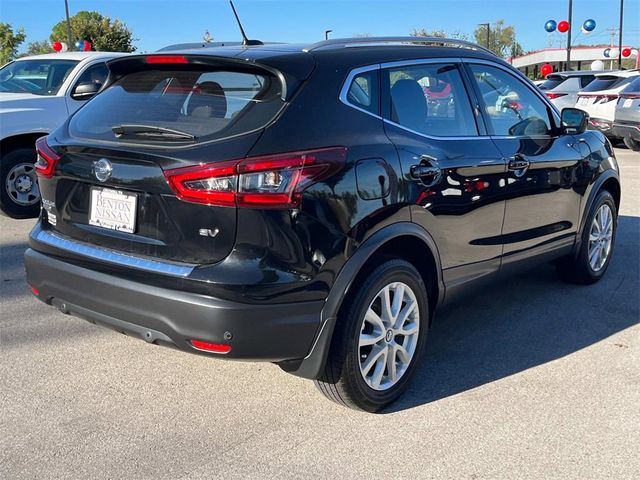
(37, 94)
(600, 97)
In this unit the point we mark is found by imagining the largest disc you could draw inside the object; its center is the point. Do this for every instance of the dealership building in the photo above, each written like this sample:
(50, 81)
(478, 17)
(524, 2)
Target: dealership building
(581, 59)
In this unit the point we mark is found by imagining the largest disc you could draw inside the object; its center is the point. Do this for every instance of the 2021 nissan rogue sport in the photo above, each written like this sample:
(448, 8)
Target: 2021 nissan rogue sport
(312, 205)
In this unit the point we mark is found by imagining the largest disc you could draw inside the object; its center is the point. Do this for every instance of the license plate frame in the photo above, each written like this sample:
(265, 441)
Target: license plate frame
(113, 209)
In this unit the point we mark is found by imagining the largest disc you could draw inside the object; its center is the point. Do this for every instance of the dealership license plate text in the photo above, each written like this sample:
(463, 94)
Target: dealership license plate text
(113, 209)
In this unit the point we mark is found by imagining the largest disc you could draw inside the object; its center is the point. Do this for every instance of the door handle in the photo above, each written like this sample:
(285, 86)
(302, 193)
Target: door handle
(421, 171)
(518, 162)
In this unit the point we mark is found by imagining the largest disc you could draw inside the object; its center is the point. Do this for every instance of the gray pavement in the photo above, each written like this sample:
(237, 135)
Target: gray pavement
(532, 378)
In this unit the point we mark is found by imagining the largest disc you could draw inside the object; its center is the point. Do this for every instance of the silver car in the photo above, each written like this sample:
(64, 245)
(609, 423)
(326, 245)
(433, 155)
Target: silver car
(563, 87)
(626, 124)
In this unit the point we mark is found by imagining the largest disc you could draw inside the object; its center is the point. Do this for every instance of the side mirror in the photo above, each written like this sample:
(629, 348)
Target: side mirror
(84, 91)
(574, 121)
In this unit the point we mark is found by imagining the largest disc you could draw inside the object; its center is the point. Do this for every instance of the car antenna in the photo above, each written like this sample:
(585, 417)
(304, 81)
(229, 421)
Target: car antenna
(245, 40)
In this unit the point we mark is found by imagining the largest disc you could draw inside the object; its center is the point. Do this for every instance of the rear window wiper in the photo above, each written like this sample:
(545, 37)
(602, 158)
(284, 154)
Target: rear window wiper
(151, 131)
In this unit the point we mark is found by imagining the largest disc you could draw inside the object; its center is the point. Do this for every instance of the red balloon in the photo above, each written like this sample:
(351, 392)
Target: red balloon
(87, 46)
(57, 46)
(626, 52)
(563, 26)
(546, 69)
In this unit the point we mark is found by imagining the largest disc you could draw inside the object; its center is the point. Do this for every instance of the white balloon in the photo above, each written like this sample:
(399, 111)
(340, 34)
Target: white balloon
(634, 52)
(65, 47)
(597, 65)
(584, 32)
(613, 53)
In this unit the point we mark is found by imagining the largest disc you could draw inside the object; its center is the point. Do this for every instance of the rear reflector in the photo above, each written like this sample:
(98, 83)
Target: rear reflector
(47, 158)
(155, 59)
(274, 181)
(552, 95)
(210, 347)
(35, 291)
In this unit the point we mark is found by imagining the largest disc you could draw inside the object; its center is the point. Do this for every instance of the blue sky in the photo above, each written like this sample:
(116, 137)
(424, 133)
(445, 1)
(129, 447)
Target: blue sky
(157, 23)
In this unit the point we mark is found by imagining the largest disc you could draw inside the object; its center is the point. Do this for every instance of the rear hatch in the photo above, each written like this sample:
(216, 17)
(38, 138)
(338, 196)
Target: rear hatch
(628, 107)
(600, 96)
(159, 114)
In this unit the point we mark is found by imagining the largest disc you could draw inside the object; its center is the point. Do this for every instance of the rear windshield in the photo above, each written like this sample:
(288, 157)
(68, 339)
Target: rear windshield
(633, 87)
(550, 83)
(604, 83)
(203, 104)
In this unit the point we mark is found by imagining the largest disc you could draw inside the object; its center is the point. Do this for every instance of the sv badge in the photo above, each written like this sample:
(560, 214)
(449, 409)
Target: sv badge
(208, 232)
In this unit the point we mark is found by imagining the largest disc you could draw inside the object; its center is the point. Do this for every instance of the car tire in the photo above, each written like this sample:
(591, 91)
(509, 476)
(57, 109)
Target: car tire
(358, 373)
(597, 243)
(19, 192)
(632, 144)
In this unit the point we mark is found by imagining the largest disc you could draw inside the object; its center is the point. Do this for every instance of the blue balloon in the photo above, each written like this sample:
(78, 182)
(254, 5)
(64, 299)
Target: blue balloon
(550, 26)
(79, 44)
(589, 25)
(606, 52)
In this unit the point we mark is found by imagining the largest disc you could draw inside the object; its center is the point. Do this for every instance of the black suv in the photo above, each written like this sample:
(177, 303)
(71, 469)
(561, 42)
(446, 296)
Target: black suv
(312, 205)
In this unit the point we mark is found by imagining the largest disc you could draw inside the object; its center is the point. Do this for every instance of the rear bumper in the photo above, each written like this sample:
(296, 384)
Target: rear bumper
(626, 131)
(269, 332)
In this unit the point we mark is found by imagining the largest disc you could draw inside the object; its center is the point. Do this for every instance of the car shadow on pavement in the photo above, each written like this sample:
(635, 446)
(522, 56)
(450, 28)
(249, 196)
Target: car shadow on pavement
(12, 274)
(528, 320)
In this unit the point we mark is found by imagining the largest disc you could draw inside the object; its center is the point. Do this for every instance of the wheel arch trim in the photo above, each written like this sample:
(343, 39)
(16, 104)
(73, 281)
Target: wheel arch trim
(595, 189)
(311, 366)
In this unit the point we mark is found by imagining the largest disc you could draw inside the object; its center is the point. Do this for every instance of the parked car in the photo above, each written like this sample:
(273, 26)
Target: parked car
(37, 94)
(600, 97)
(304, 205)
(626, 123)
(538, 83)
(565, 93)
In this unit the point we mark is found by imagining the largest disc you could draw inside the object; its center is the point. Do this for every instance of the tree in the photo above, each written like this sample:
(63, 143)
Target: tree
(502, 40)
(422, 32)
(37, 48)
(9, 42)
(104, 33)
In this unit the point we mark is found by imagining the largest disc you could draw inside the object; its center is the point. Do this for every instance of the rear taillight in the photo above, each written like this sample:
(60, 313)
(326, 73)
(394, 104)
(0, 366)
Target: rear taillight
(274, 181)
(608, 98)
(47, 158)
(551, 95)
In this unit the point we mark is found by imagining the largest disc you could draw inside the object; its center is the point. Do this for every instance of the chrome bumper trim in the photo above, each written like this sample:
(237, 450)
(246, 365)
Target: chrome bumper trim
(109, 256)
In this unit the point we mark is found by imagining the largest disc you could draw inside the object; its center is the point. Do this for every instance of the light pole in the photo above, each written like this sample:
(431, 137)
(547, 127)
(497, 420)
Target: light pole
(326, 34)
(69, 36)
(488, 25)
(568, 67)
(620, 35)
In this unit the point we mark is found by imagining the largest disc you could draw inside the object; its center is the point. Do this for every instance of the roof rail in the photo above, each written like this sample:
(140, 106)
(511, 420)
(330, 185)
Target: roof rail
(375, 41)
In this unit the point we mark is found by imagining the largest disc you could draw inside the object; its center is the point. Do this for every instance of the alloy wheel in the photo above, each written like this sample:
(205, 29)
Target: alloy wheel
(600, 237)
(389, 336)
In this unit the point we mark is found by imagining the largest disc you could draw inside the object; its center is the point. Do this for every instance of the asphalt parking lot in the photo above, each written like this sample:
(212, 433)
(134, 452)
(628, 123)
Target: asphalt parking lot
(532, 378)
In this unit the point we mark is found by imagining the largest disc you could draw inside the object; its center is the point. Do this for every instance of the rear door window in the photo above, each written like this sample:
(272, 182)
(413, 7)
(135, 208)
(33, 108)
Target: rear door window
(430, 99)
(205, 104)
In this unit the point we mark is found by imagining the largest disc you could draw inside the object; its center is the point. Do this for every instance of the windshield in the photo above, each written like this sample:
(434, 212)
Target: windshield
(39, 77)
(167, 105)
